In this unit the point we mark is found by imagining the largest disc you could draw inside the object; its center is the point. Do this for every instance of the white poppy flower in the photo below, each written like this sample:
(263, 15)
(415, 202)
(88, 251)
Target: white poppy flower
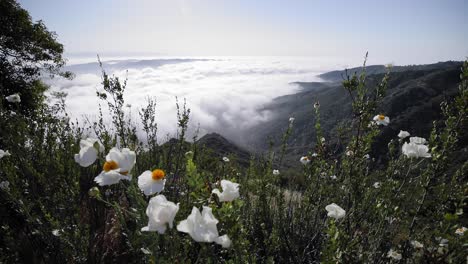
(314, 154)
(276, 172)
(376, 185)
(413, 150)
(403, 134)
(202, 227)
(152, 182)
(418, 140)
(145, 251)
(225, 159)
(322, 140)
(88, 154)
(230, 191)
(304, 160)
(460, 231)
(117, 167)
(4, 153)
(160, 212)
(381, 120)
(316, 105)
(291, 120)
(416, 244)
(349, 153)
(367, 156)
(333, 177)
(394, 255)
(335, 211)
(56, 232)
(14, 98)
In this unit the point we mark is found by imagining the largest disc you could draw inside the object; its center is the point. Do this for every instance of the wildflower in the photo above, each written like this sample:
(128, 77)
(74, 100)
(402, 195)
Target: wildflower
(460, 231)
(381, 120)
(376, 185)
(5, 185)
(94, 192)
(322, 139)
(367, 156)
(89, 149)
(418, 140)
(417, 244)
(276, 172)
(151, 182)
(13, 98)
(314, 155)
(349, 153)
(202, 227)
(56, 232)
(333, 177)
(335, 211)
(160, 212)
(403, 134)
(291, 120)
(4, 153)
(316, 105)
(225, 159)
(189, 154)
(117, 167)
(304, 160)
(413, 150)
(230, 191)
(394, 255)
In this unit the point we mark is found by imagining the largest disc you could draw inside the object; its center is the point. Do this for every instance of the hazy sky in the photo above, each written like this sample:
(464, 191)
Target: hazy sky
(399, 31)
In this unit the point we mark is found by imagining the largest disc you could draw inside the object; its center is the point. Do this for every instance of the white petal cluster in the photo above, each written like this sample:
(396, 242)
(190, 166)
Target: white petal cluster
(461, 231)
(334, 211)
(376, 185)
(150, 185)
(161, 213)
(202, 227)
(381, 120)
(4, 153)
(13, 98)
(122, 161)
(276, 172)
(230, 191)
(403, 134)
(416, 148)
(304, 160)
(394, 254)
(225, 159)
(416, 244)
(89, 149)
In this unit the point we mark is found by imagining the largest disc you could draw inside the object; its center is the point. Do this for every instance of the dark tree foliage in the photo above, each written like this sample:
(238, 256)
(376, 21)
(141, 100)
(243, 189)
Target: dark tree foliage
(27, 50)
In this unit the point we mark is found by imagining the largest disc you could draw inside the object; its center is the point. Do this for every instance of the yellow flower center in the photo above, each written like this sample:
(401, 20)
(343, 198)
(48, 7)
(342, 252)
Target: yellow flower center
(381, 117)
(110, 165)
(158, 175)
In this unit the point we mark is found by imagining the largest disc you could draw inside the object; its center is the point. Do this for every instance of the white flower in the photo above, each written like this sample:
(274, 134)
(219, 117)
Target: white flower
(117, 167)
(14, 98)
(4, 153)
(413, 150)
(202, 227)
(89, 149)
(367, 156)
(230, 191)
(322, 140)
(335, 211)
(394, 255)
(416, 244)
(316, 105)
(376, 185)
(460, 231)
(276, 172)
(145, 251)
(333, 177)
(349, 153)
(314, 154)
(160, 212)
(418, 140)
(291, 120)
(225, 159)
(403, 134)
(56, 232)
(381, 120)
(5, 185)
(151, 182)
(304, 160)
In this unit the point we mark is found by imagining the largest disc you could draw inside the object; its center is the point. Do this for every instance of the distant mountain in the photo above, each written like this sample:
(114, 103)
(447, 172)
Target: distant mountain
(221, 147)
(412, 102)
(335, 76)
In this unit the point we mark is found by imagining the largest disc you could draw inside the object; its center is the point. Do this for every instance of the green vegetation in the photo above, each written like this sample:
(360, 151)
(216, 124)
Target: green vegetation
(410, 209)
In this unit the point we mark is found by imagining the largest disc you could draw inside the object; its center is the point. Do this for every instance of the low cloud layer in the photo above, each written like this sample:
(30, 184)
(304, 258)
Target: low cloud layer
(224, 95)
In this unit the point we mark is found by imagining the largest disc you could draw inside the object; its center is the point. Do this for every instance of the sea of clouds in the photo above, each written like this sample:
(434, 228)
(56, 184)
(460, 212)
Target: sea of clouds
(223, 94)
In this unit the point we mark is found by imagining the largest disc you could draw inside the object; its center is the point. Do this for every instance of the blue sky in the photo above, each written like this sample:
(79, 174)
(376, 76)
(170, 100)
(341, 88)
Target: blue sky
(401, 32)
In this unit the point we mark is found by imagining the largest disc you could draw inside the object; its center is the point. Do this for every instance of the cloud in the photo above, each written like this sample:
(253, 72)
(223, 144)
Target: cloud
(224, 95)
